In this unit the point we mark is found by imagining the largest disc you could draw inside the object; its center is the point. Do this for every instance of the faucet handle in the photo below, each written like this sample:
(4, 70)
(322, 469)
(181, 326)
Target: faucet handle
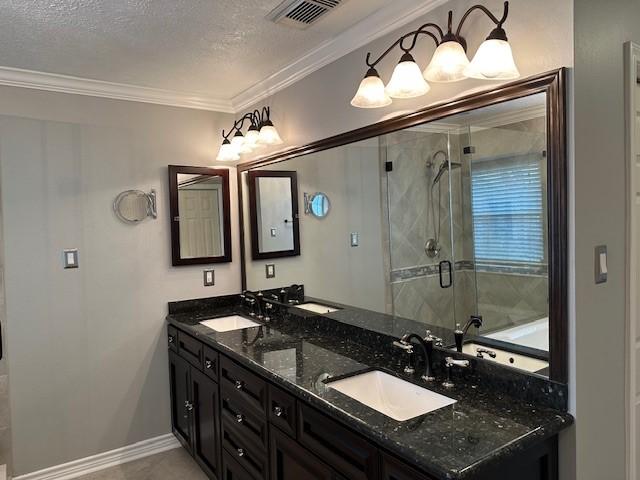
(406, 346)
(429, 337)
(450, 362)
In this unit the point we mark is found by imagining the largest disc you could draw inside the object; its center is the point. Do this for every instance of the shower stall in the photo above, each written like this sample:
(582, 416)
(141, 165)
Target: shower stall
(451, 191)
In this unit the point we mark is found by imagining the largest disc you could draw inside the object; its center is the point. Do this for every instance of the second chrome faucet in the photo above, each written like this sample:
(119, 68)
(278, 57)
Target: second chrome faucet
(427, 343)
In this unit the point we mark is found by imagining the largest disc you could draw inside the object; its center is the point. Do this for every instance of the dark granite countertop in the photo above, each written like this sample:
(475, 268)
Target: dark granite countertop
(461, 441)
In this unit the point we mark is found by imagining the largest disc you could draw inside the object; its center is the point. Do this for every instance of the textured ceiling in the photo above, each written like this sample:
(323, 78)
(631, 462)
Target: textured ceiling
(215, 47)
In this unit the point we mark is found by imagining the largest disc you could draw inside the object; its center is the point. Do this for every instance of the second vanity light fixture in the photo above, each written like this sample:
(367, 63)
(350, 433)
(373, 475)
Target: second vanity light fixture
(260, 132)
(492, 61)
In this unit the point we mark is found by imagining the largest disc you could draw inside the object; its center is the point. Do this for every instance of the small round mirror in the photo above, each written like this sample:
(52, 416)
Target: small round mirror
(133, 206)
(319, 205)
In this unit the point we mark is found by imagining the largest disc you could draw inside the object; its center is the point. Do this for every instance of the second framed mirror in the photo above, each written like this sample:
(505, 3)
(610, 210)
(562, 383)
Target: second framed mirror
(273, 208)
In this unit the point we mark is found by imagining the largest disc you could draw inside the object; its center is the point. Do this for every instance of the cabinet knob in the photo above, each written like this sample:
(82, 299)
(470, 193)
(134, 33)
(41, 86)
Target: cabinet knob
(239, 418)
(277, 410)
(241, 452)
(171, 340)
(239, 385)
(208, 364)
(188, 405)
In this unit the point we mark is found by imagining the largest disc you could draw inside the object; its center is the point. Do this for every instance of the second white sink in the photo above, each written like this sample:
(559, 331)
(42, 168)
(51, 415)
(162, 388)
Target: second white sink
(226, 324)
(390, 395)
(316, 307)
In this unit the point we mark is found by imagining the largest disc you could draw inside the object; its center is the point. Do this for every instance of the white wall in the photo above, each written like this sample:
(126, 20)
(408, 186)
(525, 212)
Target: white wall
(88, 346)
(601, 28)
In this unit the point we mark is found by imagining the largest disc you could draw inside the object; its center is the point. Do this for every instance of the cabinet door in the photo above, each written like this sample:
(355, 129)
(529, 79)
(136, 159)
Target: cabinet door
(181, 405)
(206, 423)
(289, 461)
(394, 469)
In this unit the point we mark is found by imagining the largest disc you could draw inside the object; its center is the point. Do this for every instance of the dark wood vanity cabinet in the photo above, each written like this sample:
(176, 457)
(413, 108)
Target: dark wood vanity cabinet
(241, 427)
(195, 413)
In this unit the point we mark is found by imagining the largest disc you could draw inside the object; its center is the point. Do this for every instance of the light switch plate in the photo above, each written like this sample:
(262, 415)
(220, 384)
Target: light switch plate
(70, 258)
(273, 232)
(209, 277)
(270, 270)
(355, 239)
(601, 267)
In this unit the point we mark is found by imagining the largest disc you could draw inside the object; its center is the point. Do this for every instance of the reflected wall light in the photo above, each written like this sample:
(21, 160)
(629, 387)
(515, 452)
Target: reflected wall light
(449, 63)
(261, 132)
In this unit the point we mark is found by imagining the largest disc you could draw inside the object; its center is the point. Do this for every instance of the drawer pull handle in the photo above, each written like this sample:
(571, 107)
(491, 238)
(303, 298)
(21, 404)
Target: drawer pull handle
(208, 364)
(240, 452)
(239, 385)
(278, 411)
(239, 418)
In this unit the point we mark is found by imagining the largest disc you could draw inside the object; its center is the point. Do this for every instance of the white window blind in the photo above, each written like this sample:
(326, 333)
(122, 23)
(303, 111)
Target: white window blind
(507, 210)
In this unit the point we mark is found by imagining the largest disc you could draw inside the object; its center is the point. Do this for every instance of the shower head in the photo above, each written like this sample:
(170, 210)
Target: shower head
(444, 166)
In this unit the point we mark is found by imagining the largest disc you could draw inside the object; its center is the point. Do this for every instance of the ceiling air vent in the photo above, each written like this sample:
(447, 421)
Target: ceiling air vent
(301, 13)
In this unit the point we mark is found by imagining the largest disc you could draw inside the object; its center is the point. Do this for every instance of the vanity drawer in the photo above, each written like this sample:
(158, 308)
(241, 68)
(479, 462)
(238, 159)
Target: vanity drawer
(343, 450)
(190, 349)
(242, 419)
(247, 385)
(210, 363)
(172, 338)
(249, 456)
(231, 470)
(282, 410)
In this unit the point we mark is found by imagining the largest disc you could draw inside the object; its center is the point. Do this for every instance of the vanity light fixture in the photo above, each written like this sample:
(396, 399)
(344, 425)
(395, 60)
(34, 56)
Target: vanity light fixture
(261, 132)
(492, 61)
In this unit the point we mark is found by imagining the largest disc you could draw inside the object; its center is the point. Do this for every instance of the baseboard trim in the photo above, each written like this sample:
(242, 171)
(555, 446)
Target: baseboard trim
(87, 465)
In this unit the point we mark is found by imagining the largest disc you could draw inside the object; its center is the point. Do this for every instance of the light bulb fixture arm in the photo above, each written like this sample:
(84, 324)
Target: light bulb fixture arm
(422, 30)
(482, 8)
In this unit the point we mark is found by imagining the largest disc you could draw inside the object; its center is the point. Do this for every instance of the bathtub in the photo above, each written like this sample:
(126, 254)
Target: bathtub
(534, 334)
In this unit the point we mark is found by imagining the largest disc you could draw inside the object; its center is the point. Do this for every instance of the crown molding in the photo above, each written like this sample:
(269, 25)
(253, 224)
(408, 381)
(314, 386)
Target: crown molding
(374, 26)
(53, 82)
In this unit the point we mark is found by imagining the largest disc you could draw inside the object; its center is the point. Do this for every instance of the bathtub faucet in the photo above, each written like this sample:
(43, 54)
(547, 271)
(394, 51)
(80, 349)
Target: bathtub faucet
(459, 334)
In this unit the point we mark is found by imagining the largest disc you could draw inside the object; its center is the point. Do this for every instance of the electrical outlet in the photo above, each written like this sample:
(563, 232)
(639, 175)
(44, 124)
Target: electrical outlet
(270, 270)
(70, 258)
(209, 278)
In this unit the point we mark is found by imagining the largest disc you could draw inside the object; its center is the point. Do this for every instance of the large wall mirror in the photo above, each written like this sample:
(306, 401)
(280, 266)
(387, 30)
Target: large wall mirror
(200, 217)
(452, 212)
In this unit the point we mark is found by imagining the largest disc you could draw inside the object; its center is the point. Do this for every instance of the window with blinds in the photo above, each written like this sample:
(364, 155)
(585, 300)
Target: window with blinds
(507, 210)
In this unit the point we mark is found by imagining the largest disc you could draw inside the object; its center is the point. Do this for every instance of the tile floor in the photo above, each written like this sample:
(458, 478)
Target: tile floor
(174, 464)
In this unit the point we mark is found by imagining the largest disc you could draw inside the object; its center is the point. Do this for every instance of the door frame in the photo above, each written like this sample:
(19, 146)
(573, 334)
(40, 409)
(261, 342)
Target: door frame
(632, 147)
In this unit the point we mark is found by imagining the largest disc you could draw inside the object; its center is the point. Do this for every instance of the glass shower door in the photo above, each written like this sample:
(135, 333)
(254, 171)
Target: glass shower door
(421, 247)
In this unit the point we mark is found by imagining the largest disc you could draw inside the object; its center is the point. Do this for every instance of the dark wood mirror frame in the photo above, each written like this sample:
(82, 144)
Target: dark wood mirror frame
(551, 83)
(253, 175)
(174, 170)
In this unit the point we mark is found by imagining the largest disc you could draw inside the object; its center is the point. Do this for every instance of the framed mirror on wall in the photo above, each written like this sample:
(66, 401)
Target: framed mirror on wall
(273, 210)
(200, 215)
(477, 185)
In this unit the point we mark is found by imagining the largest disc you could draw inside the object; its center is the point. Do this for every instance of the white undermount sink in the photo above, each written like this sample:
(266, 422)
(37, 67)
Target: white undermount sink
(390, 395)
(226, 324)
(503, 357)
(316, 307)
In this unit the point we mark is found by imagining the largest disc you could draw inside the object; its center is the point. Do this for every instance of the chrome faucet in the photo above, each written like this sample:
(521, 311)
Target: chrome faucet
(427, 348)
(449, 363)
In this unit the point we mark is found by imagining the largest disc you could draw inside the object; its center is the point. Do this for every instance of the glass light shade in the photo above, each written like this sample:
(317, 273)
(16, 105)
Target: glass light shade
(448, 63)
(269, 135)
(251, 138)
(227, 152)
(371, 93)
(493, 61)
(237, 141)
(407, 80)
